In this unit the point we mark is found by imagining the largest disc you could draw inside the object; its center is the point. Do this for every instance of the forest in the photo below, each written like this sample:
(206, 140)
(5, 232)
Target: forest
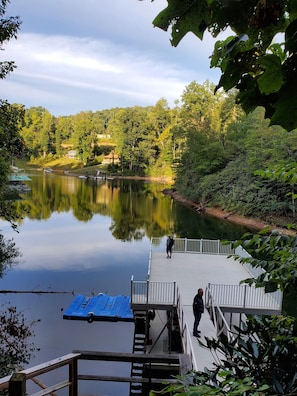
(217, 155)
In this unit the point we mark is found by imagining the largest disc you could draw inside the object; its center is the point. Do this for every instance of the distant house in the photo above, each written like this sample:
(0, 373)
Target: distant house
(103, 136)
(71, 154)
(111, 158)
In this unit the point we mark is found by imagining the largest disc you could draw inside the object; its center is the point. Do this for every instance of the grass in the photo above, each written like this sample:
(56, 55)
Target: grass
(61, 164)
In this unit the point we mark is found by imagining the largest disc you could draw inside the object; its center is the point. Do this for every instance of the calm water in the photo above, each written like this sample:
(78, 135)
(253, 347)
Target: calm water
(87, 237)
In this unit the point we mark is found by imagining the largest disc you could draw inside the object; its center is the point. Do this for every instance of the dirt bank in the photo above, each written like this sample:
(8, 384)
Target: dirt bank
(253, 224)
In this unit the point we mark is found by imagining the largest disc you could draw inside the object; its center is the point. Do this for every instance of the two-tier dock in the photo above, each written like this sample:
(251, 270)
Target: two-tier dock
(167, 294)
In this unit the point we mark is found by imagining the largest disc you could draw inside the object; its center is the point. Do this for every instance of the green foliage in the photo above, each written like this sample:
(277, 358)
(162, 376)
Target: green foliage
(276, 255)
(8, 255)
(15, 335)
(287, 175)
(260, 360)
(259, 60)
(9, 27)
(196, 384)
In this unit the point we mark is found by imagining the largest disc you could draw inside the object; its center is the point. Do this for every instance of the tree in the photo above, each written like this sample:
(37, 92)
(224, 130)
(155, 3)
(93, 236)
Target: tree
(134, 139)
(83, 136)
(11, 146)
(276, 255)
(9, 27)
(259, 59)
(15, 332)
(204, 119)
(160, 124)
(37, 130)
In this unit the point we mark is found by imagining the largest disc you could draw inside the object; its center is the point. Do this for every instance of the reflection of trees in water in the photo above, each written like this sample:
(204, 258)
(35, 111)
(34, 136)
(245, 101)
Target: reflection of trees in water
(137, 208)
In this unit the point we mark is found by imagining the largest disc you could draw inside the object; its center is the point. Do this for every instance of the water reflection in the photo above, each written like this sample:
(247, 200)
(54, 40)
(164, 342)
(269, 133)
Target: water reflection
(136, 208)
(86, 237)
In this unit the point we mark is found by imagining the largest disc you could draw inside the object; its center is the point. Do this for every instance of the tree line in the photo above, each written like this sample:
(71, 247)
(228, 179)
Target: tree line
(215, 152)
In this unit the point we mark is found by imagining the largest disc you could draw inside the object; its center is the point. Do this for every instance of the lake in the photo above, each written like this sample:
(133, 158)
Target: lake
(87, 236)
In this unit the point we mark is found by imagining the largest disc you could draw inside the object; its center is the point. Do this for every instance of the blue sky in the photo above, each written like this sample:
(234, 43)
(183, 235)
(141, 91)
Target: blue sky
(75, 55)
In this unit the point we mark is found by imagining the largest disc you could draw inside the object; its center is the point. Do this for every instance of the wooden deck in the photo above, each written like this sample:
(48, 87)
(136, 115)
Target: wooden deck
(191, 271)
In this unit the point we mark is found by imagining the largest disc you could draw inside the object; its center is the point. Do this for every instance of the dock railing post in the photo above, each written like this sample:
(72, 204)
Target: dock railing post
(147, 290)
(73, 377)
(131, 290)
(17, 384)
(244, 296)
(186, 245)
(174, 292)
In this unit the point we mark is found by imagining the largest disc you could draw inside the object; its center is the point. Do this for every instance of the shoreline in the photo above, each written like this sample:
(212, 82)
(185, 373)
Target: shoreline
(255, 224)
(252, 223)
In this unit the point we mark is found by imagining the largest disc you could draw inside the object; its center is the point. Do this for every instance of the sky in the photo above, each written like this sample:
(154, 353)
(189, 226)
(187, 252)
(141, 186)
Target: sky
(90, 55)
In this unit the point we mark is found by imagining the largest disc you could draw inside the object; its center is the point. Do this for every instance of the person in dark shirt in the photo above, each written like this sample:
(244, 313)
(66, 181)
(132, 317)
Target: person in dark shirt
(169, 246)
(198, 309)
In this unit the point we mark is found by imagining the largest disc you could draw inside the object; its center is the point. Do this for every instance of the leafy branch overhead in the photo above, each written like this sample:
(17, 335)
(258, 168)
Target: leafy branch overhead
(258, 58)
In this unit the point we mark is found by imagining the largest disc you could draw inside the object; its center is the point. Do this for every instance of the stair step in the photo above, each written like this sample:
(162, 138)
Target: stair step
(137, 368)
(139, 348)
(135, 386)
(136, 372)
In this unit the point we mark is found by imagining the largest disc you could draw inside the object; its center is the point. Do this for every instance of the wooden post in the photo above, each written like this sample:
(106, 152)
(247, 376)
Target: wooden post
(17, 385)
(73, 388)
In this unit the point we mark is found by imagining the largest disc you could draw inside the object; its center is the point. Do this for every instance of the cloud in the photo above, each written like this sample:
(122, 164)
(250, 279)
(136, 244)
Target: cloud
(58, 64)
(102, 54)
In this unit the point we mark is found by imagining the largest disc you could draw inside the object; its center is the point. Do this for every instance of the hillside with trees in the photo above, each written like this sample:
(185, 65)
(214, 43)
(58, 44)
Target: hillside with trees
(217, 155)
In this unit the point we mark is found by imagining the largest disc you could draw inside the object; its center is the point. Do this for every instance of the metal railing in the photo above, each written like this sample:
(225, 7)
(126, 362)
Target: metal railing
(277, 296)
(245, 297)
(217, 316)
(185, 332)
(147, 292)
(198, 246)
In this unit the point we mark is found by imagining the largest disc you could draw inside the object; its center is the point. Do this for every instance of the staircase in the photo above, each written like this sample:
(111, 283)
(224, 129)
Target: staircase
(139, 346)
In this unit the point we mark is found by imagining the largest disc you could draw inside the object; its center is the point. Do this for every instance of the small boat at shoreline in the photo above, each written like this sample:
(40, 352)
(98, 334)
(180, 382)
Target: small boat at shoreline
(47, 170)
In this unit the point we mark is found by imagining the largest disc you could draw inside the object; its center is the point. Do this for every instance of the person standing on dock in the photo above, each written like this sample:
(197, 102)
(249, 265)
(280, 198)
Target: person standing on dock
(198, 309)
(169, 246)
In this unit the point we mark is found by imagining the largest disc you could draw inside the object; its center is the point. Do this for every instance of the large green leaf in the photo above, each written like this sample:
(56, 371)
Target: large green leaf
(286, 110)
(184, 17)
(290, 37)
(272, 79)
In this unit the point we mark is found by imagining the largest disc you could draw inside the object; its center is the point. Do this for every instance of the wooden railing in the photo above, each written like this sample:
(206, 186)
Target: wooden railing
(16, 383)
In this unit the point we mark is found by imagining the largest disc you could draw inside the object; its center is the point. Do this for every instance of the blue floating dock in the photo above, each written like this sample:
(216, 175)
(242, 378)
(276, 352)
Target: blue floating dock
(100, 308)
